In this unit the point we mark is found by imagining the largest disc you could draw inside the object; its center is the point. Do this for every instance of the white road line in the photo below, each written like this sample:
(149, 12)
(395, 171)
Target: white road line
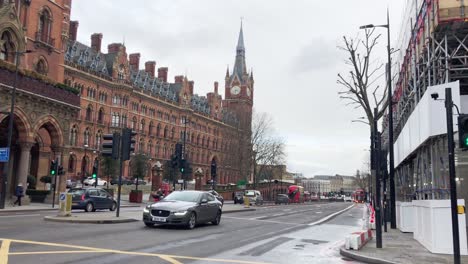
(330, 216)
(18, 215)
(318, 212)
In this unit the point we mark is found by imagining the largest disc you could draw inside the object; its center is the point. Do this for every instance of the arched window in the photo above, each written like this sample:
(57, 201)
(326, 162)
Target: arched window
(203, 141)
(166, 132)
(150, 128)
(165, 150)
(7, 47)
(73, 135)
(208, 142)
(101, 116)
(97, 141)
(150, 148)
(158, 149)
(198, 140)
(158, 130)
(124, 120)
(141, 147)
(134, 123)
(142, 125)
(89, 113)
(192, 138)
(45, 27)
(71, 163)
(172, 132)
(86, 137)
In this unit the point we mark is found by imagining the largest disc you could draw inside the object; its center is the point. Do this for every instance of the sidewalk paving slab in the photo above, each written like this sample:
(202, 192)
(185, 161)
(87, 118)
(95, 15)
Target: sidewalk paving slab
(397, 247)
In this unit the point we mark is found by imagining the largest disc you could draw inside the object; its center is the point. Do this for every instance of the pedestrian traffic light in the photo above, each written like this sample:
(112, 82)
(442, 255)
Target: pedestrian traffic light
(111, 145)
(53, 167)
(128, 143)
(463, 131)
(60, 170)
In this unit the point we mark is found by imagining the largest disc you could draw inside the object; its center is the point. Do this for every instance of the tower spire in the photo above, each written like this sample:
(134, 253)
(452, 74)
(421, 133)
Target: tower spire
(240, 41)
(239, 65)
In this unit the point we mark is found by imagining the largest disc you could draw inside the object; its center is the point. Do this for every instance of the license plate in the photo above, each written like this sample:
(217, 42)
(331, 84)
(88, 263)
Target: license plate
(159, 219)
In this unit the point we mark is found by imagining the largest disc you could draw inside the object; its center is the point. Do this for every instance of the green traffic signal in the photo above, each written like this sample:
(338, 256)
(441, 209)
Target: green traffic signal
(466, 142)
(94, 175)
(52, 172)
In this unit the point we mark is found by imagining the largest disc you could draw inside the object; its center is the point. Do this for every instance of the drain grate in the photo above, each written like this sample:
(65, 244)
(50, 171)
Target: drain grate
(314, 241)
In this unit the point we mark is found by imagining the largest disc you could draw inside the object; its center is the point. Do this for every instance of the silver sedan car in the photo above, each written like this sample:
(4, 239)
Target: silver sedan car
(185, 208)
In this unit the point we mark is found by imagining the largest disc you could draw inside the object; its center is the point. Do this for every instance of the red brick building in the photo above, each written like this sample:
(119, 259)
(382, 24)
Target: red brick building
(115, 92)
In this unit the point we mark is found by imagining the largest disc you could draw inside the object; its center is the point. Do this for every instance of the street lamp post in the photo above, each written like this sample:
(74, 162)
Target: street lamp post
(390, 122)
(84, 168)
(11, 117)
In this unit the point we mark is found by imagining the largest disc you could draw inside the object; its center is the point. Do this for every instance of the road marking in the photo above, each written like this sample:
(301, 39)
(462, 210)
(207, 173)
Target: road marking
(330, 216)
(266, 221)
(318, 212)
(170, 258)
(18, 215)
(4, 251)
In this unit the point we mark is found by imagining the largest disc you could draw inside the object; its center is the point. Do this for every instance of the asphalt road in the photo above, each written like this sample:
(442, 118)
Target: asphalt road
(277, 234)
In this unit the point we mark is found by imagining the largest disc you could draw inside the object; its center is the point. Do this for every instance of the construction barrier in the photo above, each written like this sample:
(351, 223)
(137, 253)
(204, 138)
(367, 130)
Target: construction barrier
(372, 217)
(358, 239)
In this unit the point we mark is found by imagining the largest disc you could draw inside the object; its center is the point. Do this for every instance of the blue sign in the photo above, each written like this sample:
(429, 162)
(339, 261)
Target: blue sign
(62, 197)
(4, 154)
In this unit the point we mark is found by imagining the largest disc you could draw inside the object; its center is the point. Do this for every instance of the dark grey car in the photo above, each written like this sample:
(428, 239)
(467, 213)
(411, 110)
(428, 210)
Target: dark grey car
(282, 199)
(185, 208)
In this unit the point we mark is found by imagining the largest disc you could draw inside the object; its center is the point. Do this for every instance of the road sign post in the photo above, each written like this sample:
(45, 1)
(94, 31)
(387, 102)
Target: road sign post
(65, 203)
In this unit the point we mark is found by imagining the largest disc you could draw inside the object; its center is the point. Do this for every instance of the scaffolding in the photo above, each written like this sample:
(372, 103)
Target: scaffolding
(433, 50)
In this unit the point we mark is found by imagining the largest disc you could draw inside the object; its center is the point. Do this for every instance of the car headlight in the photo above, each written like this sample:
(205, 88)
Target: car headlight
(147, 209)
(180, 213)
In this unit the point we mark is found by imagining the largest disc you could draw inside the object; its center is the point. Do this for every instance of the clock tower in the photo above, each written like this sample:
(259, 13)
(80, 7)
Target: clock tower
(239, 88)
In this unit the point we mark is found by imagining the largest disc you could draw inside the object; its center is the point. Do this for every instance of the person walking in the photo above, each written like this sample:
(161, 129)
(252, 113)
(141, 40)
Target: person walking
(19, 193)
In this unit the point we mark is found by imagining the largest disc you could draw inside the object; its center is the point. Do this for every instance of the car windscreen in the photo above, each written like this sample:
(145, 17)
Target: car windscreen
(77, 191)
(183, 196)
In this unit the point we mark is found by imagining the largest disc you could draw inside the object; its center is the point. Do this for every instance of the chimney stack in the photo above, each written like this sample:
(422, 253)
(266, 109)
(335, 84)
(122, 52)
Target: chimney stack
(216, 87)
(73, 30)
(179, 79)
(135, 61)
(150, 67)
(191, 85)
(96, 41)
(114, 47)
(162, 73)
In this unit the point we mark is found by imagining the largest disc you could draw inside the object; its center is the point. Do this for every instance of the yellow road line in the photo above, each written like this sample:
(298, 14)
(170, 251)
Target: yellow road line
(170, 260)
(4, 251)
(59, 252)
(102, 250)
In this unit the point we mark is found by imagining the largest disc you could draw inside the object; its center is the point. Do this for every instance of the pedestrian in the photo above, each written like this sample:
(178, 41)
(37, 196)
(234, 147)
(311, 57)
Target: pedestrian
(233, 195)
(19, 193)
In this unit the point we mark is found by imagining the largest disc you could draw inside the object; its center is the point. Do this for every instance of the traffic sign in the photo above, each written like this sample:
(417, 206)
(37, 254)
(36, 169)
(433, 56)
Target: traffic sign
(62, 196)
(4, 154)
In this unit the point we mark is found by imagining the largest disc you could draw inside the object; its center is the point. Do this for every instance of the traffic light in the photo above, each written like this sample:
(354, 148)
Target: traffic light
(182, 165)
(111, 147)
(53, 167)
(178, 151)
(60, 170)
(463, 131)
(174, 161)
(128, 143)
(95, 171)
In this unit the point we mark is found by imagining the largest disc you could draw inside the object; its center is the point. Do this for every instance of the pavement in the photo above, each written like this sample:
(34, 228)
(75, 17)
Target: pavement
(397, 247)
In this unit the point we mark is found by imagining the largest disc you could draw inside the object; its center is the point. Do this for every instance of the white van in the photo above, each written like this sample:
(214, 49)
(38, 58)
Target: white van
(254, 196)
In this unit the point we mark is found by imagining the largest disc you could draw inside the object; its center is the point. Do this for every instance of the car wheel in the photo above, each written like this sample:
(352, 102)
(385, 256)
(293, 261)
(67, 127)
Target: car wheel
(113, 206)
(192, 221)
(217, 219)
(148, 224)
(89, 207)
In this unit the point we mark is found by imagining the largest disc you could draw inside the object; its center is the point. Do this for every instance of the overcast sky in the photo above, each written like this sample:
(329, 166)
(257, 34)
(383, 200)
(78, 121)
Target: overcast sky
(291, 46)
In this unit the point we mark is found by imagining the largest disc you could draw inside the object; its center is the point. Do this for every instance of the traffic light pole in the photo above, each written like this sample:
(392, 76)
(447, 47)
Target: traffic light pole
(377, 204)
(55, 182)
(453, 188)
(119, 188)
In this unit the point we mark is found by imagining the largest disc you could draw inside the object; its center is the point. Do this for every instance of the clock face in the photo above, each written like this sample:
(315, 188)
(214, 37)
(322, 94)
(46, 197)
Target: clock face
(248, 92)
(235, 90)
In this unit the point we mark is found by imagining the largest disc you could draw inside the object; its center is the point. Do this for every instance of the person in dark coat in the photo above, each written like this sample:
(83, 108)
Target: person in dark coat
(19, 193)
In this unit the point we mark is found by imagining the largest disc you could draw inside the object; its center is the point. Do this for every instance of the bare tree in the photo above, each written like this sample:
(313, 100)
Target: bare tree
(360, 84)
(268, 149)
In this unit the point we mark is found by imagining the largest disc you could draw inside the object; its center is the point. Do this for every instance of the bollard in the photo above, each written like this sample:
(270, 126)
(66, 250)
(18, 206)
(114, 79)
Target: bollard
(246, 202)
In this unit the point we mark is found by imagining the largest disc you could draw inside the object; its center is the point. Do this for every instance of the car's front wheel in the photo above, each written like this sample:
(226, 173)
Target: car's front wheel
(192, 221)
(113, 206)
(148, 224)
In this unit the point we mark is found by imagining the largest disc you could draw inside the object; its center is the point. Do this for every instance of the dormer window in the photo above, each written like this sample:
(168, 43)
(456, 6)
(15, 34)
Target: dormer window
(121, 73)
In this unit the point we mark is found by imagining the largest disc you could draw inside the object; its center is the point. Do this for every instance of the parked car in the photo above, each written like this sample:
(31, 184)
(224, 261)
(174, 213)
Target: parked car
(140, 181)
(91, 199)
(348, 199)
(71, 184)
(282, 199)
(255, 197)
(219, 197)
(239, 197)
(124, 181)
(90, 182)
(186, 208)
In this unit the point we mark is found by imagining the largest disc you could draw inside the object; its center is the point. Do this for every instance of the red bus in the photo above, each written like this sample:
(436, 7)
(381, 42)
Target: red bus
(296, 194)
(359, 196)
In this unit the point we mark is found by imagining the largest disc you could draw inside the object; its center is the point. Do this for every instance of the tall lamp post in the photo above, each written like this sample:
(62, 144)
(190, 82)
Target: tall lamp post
(390, 122)
(11, 117)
